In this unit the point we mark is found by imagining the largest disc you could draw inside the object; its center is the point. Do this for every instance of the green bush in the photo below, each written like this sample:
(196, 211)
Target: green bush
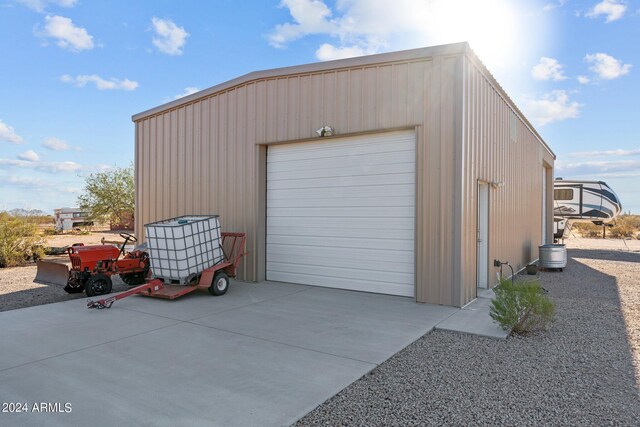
(19, 240)
(521, 306)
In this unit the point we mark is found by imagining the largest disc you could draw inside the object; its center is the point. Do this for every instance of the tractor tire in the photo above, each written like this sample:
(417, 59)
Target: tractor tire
(220, 284)
(98, 284)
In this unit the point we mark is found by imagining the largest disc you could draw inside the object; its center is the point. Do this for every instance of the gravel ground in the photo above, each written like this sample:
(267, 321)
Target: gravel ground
(17, 289)
(584, 370)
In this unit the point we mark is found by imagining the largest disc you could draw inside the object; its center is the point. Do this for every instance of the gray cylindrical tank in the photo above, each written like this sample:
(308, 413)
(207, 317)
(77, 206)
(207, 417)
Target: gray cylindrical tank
(553, 256)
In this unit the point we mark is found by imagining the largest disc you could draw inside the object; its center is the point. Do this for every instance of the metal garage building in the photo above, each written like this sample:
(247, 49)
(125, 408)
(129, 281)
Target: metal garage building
(430, 174)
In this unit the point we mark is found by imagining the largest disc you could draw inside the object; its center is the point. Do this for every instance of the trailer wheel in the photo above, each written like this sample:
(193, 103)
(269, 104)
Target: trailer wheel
(220, 284)
(98, 284)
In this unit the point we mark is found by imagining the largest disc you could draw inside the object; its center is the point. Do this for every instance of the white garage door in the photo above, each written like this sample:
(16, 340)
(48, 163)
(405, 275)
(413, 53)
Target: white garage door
(341, 213)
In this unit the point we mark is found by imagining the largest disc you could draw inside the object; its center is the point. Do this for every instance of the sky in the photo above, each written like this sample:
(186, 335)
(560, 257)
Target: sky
(72, 73)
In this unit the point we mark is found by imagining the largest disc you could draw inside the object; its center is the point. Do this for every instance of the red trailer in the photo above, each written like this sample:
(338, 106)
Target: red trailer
(215, 279)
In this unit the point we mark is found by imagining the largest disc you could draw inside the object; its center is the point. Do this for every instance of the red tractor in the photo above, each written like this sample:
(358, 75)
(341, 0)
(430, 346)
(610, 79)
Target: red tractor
(93, 266)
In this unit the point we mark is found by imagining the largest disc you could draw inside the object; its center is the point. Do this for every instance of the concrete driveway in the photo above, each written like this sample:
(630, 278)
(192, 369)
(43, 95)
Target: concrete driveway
(264, 354)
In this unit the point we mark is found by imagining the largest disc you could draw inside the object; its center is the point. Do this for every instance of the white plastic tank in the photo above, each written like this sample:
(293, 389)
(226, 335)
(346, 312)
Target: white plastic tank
(182, 247)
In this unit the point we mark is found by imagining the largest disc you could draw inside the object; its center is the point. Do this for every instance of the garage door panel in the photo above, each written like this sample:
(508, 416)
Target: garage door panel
(304, 225)
(379, 212)
(329, 262)
(326, 151)
(342, 202)
(364, 169)
(341, 213)
(372, 160)
(280, 252)
(361, 180)
(382, 233)
(357, 192)
(349, 284)
(340, 242)
(342, 272)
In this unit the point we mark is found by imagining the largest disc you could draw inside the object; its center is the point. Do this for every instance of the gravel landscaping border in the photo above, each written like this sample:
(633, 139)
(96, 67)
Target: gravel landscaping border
(583, 371)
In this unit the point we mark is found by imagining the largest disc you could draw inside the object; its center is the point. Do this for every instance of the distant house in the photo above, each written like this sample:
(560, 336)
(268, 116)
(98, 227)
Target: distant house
(70, 218)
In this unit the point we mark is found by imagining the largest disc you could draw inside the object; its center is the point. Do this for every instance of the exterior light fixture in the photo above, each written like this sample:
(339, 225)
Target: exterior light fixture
(325, 131)
(496, 184)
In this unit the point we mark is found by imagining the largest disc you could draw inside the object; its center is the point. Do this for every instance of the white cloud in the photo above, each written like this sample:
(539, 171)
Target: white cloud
(52, 167)
(41, 5)
(606, 66)
(66, 34)
(7, 133)
(583, 80)
(309, 16)
(187, 91)
(29, 156)
(30, 183)
(169, 38)
(618, 168)
(328, 52)
(552, 107)
(548, 69)
(550, 6)
(55, 144)
(101, 84)
(614, 9)
(618, 152)
(366, 27)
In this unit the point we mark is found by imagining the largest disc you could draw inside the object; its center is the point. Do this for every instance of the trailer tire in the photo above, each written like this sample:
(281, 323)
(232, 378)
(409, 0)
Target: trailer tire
(98, 284)
(220, 284)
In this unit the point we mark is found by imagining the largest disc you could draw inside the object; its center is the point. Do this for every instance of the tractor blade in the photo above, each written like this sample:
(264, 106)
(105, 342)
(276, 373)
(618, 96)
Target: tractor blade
(52, 273)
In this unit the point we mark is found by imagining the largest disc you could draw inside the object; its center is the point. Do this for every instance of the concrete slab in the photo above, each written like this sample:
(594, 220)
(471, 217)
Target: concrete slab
(474, 319)
(183, 375)
(201, 303)
(356, 325)
(283, 351)
(35, 333)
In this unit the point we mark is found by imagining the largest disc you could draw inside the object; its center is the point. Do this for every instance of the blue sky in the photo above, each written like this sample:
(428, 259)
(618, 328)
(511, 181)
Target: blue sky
(72, 73)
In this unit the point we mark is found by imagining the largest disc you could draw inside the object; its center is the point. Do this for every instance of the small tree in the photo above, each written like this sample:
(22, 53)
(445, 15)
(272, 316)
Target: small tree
(109, 196)
(19, 240)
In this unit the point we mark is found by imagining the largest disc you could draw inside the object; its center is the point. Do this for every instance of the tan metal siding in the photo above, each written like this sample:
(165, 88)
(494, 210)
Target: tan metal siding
(207, 158)
(208, 155)
(489, 154)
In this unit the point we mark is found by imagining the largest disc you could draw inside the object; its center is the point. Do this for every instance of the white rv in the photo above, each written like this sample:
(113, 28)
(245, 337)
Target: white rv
(71, 218)
(583, 201)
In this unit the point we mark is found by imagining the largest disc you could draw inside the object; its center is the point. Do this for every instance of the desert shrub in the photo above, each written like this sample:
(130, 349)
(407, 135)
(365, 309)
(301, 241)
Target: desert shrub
(625, 226)
(521, 306)
(49, 231)
(587, 229)
(19, 240)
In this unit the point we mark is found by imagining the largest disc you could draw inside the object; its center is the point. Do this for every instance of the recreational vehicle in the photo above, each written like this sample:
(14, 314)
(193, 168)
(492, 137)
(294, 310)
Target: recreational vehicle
(582, 201)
